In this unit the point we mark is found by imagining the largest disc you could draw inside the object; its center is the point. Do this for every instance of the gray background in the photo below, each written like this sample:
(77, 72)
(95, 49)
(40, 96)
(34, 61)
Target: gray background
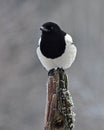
(23, 79)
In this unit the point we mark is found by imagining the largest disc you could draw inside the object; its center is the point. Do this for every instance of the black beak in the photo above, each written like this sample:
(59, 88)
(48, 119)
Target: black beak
(44, 29)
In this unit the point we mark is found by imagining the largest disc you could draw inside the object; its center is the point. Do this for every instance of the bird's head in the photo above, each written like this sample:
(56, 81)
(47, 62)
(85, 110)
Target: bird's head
(50, 27)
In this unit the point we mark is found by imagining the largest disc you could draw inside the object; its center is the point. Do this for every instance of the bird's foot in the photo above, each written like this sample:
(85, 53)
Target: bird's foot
(60, 69)
(51, 72)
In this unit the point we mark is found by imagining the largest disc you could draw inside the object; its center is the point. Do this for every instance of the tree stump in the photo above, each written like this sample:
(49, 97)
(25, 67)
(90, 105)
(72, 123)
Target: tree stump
(59, 114)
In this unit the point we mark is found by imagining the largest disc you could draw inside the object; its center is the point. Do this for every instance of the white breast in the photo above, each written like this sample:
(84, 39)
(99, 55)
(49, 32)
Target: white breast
(64, 61)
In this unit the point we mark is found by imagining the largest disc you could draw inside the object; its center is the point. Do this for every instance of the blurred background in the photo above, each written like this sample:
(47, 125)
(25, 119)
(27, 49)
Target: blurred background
(22, 77)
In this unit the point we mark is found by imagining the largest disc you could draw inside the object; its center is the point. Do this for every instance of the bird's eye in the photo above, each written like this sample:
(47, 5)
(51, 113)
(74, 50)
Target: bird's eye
(52, 28)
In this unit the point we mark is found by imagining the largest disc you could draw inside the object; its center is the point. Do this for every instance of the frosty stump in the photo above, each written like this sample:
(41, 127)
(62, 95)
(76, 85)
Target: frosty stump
(59, 114)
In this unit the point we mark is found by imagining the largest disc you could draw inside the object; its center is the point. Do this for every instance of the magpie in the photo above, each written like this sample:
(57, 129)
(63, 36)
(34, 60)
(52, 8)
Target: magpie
(55, 47)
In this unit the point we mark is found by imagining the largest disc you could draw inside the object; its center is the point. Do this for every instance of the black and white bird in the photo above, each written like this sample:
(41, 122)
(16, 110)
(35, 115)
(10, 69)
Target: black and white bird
(56, 48)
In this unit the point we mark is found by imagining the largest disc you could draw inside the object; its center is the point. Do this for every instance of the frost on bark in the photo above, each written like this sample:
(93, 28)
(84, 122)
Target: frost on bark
(59, 114)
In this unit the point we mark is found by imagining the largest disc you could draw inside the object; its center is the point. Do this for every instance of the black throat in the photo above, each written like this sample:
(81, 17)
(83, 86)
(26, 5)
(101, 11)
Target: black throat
(52, 45)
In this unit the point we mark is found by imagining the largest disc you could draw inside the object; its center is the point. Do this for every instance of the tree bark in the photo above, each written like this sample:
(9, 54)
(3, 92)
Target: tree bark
(59, 114)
